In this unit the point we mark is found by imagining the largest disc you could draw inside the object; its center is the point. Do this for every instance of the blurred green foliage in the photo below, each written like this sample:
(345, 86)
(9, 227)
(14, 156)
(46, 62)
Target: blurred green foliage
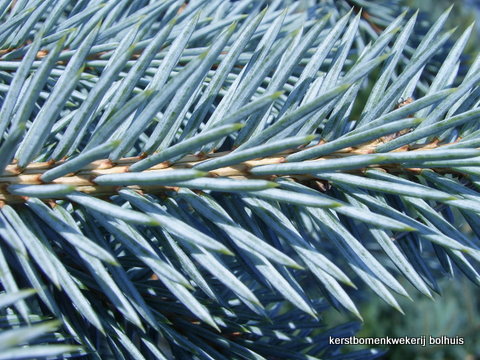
(456, 312)
(464, 12)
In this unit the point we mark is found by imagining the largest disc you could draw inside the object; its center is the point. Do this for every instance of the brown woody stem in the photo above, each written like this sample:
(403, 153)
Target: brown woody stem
(84, 179)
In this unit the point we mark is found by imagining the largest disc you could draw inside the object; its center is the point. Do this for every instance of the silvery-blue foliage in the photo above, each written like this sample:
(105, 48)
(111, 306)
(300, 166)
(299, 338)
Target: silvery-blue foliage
(203, 179)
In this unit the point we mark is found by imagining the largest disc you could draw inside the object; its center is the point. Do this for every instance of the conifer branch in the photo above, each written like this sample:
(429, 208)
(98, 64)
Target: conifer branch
(83, 180)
